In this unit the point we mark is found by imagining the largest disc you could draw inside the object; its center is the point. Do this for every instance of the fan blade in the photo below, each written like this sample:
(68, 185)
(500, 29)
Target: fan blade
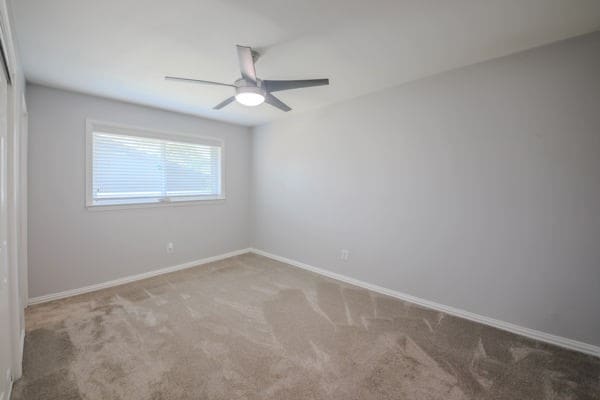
(275, 102)
(175, 78)
(224, 103)
(246, 63)
(275, 86)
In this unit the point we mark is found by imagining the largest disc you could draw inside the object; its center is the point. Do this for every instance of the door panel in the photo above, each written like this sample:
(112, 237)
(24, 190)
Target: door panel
(5, 316)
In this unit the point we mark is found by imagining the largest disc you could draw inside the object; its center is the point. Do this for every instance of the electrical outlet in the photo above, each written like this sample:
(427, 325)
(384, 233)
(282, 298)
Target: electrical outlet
(344, 254)
(170, 247)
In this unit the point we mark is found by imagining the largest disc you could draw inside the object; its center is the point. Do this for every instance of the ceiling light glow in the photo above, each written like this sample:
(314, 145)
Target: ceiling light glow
(249, 98)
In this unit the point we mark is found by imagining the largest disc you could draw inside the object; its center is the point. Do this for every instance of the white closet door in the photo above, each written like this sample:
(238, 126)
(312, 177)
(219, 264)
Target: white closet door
(5, 316)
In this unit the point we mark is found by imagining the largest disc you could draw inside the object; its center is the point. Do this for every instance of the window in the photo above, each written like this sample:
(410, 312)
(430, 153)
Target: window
(134, 166)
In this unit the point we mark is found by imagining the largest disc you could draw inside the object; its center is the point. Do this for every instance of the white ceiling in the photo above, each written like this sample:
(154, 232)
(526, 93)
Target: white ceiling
(123, 48)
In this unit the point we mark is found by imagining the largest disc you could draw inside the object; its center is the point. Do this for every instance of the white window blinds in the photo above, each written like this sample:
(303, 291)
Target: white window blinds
(128, 169)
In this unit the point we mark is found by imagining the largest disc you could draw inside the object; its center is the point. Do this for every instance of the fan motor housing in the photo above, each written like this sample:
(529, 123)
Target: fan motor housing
(244, 83)
(243, 86)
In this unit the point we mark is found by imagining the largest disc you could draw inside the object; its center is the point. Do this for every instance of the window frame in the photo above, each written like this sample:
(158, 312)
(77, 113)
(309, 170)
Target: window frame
(92, 125)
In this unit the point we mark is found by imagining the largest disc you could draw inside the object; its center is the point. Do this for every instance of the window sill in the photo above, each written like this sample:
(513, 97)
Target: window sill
(98, 206)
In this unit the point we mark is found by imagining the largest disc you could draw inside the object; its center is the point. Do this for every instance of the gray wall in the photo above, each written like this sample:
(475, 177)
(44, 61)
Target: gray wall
(71, 247)
(477, 188)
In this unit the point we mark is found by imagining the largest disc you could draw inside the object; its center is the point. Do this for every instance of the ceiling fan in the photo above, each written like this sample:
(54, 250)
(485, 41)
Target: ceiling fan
(252, 91)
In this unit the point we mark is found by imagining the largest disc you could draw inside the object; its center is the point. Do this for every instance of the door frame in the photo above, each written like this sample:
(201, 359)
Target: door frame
(15, 182)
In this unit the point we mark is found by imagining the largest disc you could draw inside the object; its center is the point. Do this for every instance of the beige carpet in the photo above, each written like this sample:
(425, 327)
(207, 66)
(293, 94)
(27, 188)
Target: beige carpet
(252, 328)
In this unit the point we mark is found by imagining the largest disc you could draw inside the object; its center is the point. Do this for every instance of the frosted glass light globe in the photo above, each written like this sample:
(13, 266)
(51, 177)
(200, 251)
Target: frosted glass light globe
(248, 98)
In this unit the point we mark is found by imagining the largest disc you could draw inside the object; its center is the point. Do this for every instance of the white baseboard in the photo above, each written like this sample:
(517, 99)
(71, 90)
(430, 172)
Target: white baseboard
(132, 278)
(506, 326)
(19, 373)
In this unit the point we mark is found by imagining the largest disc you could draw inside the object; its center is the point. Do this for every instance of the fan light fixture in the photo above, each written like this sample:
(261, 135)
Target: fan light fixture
(249, 96)
(252, 91)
